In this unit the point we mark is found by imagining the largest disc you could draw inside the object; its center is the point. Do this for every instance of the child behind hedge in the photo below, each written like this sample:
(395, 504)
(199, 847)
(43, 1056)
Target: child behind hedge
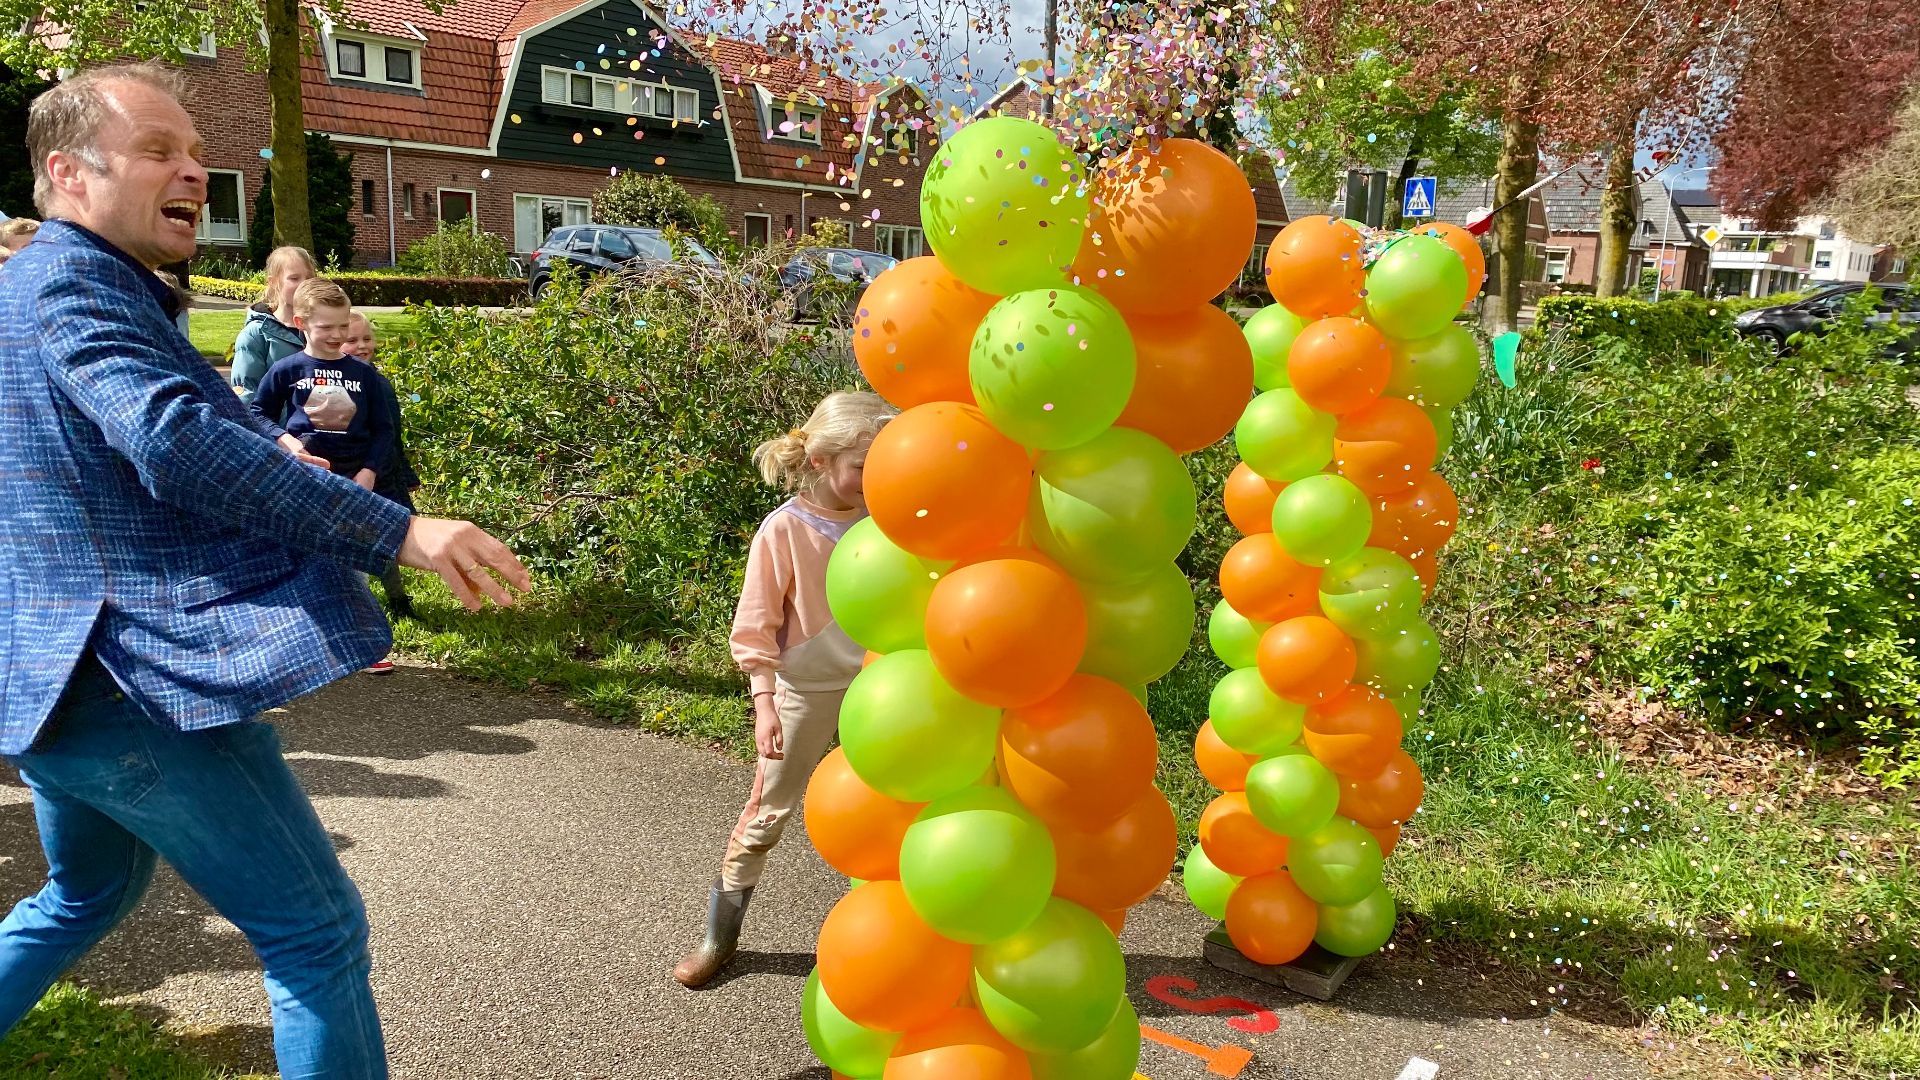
(396, 478)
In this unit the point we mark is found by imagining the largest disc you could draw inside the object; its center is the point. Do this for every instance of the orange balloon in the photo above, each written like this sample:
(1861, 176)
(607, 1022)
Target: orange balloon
(1419, 520)
(1306, 659)
(1385, 800)
(1315, 268)
(1116, 920)
(1006, 632)
(1223, 766)
(1389, 838)
(1270, 920)
(942, 483)
(1339, 364)
(1261, 581)
(1426, 565)
(869, 658)
(1170, 229)
(960, 1045)
(885, 968)
(1249, 498)
(1120, 865)
(1355, 734)
(1234, 839)
(855, 829)
(1081, 757)
(1468, 246)
(1385, 447)
(913, 330)
(1192, 378)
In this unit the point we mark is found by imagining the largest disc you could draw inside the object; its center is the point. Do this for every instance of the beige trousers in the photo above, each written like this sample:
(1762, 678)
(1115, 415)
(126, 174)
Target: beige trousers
(808, 721)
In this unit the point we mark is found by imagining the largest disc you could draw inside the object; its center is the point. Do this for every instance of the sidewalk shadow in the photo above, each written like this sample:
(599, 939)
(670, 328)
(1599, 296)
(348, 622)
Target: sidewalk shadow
(751, 962)
(409, 715)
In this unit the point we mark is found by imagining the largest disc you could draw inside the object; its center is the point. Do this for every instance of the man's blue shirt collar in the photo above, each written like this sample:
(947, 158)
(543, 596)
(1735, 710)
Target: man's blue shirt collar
(62, 231)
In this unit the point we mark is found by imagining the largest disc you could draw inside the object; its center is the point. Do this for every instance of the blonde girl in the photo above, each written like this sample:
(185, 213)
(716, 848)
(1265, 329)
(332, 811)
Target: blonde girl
(269, 335)
(798, 662)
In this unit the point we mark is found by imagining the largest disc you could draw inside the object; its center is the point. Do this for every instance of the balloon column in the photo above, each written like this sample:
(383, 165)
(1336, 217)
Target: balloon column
(993, 796)
(1342, 518)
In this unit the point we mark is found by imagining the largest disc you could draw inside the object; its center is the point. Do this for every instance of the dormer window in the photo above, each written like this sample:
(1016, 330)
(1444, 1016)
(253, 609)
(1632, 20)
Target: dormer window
(605, 93)
(365, 59)
(800, 123)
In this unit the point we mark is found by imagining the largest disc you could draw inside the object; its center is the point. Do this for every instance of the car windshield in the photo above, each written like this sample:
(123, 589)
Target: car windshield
(699, 252)
(875, 265)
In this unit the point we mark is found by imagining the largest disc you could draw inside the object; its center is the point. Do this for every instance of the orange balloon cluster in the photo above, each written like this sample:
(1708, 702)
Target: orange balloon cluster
(1321, 595)
(1045, 649)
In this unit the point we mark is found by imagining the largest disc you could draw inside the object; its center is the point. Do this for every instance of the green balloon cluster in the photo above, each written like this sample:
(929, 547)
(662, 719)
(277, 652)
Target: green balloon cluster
(977, 866)
(1054, 986)
(1370, 594)
(1401, 662)
(1339, 863)
(1358, 928)
(1114, 508)
(1052, 367)
(1004, 205)
(839, 1043)
(1208, 886)
(896, 708)
(1251, 718)
(1270, 333)
(1416, 287)
(1112, 1056)
(1322, 519)
(1283, 438)
(878, 592)
(1292, 794)
(1137, 631)
(1437, 371)
(1234, 637)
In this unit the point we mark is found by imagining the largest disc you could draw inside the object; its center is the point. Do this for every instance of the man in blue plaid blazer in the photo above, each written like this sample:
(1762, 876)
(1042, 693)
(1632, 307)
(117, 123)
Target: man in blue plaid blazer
(167, 573)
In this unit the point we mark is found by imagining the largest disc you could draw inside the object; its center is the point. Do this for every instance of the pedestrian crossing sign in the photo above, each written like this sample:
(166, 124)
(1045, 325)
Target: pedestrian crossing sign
(1417, 202)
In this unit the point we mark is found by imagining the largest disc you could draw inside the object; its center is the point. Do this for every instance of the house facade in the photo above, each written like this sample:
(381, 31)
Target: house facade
(1571, 253)
(512, 115)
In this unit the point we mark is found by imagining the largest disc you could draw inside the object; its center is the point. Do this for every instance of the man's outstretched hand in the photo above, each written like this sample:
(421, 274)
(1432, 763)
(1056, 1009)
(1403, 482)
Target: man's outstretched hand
(463, 554)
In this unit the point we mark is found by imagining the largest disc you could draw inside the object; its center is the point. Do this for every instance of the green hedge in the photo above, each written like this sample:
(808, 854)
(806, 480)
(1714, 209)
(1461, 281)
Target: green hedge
(392, 290)
(1662, 328)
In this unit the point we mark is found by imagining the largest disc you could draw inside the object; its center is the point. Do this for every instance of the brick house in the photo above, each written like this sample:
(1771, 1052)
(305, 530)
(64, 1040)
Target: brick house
(1572, 251)
(513, 113)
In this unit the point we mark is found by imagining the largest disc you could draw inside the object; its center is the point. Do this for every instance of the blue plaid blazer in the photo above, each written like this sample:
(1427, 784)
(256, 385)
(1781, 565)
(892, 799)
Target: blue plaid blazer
(146, 514)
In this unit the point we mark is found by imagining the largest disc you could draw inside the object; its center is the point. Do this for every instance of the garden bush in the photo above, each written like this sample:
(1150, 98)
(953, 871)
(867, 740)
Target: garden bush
(457, 250)
(606, 434)
(660, 202)
(1661, 329)
(392, 290)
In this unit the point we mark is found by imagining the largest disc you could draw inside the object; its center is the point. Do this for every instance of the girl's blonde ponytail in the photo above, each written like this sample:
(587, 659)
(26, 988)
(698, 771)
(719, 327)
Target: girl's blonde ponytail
(841, 422)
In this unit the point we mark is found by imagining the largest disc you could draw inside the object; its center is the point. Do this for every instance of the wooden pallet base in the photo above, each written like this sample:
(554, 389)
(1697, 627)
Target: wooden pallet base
(1317, 973)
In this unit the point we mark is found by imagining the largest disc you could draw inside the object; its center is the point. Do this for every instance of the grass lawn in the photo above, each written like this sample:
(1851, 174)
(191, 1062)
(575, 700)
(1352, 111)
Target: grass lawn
(72, 1035)
(212, 332)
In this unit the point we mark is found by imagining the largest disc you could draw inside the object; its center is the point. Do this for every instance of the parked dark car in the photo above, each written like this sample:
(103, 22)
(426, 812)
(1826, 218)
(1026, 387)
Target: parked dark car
(599, 249)
(851, 268)
(1777, 324)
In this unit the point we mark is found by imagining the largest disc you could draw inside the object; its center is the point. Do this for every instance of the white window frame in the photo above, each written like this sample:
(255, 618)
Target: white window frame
(916, 242)
(629, 97)
(373, 56)
(209, 47)
(408, 193)
(1547, 256)
(686, 102)
(566, 202)
(778, 114)
(440, 205)
(768, 218)
(201, 231)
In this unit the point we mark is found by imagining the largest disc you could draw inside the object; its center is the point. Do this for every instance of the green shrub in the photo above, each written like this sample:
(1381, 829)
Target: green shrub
(607, 434)
(330, 208)
(1666, 329)
(660, 202)
(391, 290)
(457, 250)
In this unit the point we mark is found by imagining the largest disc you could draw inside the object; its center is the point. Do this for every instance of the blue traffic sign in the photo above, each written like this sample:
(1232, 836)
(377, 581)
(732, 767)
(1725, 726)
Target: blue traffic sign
(1417, 202)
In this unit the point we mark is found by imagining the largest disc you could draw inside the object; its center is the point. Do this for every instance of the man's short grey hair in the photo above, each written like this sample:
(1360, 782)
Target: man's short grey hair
(68, 117)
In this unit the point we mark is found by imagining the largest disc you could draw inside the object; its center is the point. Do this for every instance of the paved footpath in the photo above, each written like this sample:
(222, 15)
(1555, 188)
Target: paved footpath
(532, 874)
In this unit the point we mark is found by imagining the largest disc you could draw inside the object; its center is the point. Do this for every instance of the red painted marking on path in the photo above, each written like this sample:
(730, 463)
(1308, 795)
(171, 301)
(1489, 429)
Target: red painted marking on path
(1249, 1017)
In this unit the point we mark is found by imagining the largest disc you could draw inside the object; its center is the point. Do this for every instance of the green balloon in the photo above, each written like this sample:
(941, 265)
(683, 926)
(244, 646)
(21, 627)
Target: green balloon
(1408, 706)
(1292, 794)
(1442, 427)
(1005, 206)
(1251, 718)
(1112, 509)
(1371, 593)
(1339, 864)
(839, 1043)
(1138, 631)
(1052, 367)
(1234, 637)
(1437, 371)
(1283, 438)
(1416, 287)
(878, 592)
(1270, 333)
(1053, 986)
(1359, 928)
(1139, 692)
(909, 735)
(976, 865)
(1322, 519)
(1113, 1056)
(1402, 662)
(1208, 886)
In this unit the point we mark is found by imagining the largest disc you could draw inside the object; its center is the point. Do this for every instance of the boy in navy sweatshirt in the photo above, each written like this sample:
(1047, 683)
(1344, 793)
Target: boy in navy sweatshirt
(330, 401)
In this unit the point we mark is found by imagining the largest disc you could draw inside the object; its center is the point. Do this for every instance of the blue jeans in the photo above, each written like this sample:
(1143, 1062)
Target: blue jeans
(113, 791)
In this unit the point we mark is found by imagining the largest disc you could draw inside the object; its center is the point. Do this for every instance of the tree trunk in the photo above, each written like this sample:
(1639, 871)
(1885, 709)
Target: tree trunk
(1618, 220)
(292, 224)
(1519, 167)
(1416, 146)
